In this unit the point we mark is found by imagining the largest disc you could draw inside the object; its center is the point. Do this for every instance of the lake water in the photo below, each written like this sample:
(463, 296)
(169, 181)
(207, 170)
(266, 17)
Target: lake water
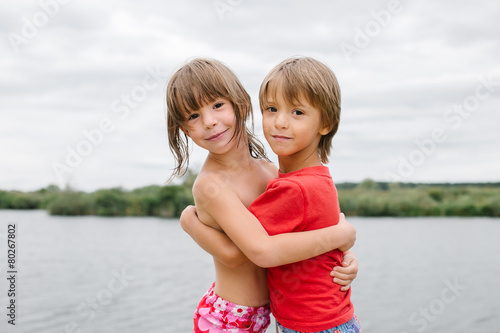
(145, 275)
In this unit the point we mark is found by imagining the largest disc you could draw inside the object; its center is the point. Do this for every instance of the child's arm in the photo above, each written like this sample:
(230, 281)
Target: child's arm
(223, 249)
(212, 241)
(243, 228)
(345, 274)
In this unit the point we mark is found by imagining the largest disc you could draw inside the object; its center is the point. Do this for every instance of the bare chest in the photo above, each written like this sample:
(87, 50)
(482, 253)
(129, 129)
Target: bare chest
(247, 186)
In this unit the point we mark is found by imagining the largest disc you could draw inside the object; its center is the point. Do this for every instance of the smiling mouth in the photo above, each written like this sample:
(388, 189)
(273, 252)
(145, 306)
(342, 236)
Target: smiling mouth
(216, 136)
(280, 137)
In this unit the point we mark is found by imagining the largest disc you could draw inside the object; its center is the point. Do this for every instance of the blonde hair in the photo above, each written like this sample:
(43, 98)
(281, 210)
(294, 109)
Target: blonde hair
(304, 77)
(197, 83)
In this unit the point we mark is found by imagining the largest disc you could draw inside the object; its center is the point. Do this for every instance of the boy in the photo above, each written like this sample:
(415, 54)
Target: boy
(300, 104)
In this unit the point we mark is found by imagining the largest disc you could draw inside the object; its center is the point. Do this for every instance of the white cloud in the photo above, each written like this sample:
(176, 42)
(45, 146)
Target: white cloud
(65, 79)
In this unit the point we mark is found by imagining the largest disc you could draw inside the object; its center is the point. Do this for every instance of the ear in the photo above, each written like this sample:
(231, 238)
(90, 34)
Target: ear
(325, 129)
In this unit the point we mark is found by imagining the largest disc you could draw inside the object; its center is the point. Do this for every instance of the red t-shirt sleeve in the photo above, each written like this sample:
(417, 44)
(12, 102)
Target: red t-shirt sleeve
(281, 207)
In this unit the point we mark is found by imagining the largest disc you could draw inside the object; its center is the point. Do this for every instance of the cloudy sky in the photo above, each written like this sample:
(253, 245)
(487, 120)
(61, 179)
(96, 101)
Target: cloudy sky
(82, 84)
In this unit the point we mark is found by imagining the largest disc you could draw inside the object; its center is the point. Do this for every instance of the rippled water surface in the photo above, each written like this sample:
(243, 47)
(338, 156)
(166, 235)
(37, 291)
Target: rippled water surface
(138, 275)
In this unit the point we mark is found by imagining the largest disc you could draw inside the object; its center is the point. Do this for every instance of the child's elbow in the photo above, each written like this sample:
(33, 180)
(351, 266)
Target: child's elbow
(185, 225)
(233, 257)
(262, 257)
(186, 218)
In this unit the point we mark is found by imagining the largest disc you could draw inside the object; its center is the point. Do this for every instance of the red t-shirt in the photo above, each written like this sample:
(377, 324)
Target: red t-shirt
(303, 296)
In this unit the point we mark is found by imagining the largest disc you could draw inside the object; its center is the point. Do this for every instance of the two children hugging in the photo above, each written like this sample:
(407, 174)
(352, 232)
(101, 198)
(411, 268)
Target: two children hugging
(285, 219)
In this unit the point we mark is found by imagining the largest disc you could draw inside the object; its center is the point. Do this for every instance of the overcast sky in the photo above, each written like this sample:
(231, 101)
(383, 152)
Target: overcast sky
(82, 84)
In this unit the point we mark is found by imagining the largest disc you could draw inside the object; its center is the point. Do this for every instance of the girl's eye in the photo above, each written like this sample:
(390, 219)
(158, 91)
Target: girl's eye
(218, 105)
(193, 116)
(298, 112)
(271, 109)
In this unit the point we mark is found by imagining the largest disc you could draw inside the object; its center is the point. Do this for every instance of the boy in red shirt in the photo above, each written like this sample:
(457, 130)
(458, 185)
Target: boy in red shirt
(300, 104)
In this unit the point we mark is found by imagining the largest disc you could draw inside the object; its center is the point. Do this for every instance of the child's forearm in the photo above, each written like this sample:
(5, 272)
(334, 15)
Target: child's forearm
(249, 235)
(216, 243)
(243, 228)
(292, 247)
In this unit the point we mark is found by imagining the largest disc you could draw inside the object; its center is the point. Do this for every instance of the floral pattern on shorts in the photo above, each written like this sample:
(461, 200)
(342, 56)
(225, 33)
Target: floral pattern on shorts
(216, 315)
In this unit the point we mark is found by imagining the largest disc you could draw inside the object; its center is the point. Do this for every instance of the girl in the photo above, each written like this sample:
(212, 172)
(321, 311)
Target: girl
(206, 102)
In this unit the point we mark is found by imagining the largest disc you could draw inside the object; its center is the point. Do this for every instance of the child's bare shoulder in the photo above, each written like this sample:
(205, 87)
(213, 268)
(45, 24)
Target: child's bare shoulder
(209, 184)
(269, 168)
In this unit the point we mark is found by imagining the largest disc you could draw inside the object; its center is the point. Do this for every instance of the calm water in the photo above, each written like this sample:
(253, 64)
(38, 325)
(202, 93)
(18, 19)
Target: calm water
(138, 275)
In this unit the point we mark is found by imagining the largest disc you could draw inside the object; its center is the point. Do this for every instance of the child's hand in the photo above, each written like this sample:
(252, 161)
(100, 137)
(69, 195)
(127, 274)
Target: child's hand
(349, 231)
(345, 274)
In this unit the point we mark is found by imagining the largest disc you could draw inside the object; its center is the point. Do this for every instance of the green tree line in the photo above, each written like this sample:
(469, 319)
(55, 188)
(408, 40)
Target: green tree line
(163, 201)
(368, 198)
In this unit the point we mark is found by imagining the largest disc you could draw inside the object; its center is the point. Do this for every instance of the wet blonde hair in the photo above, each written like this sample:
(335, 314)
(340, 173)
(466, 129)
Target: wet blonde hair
(304, 77)
(197, 83)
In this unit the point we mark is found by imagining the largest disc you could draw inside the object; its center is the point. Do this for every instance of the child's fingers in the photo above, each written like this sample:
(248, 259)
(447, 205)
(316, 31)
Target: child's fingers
(342, 282)
(341, 276)
(346, 288)
(344, 270)
(346, 284)
(348, 259)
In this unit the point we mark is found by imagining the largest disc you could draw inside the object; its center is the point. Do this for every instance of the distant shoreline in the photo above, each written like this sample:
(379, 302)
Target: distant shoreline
(365, 199)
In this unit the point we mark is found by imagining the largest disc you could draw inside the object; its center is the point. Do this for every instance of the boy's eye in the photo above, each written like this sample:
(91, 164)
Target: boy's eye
(298, 112)
(218, 105)
(193, 116)
(271, 109)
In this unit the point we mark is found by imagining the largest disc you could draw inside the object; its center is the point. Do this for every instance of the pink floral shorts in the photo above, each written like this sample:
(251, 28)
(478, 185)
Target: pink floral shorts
(216, 315)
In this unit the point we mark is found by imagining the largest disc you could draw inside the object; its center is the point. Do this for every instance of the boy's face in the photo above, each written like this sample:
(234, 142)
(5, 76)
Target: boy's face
(293, 131)
(212, 126)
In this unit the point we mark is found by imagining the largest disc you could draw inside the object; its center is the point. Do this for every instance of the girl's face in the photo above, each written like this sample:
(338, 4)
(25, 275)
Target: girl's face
(212, 126)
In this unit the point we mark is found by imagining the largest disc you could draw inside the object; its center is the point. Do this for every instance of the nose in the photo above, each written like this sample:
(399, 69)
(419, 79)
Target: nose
(280, 121)
(209, 121)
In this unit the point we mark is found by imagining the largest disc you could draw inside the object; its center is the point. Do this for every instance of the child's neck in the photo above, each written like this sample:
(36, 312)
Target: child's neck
(292, 163)
(236, 159)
